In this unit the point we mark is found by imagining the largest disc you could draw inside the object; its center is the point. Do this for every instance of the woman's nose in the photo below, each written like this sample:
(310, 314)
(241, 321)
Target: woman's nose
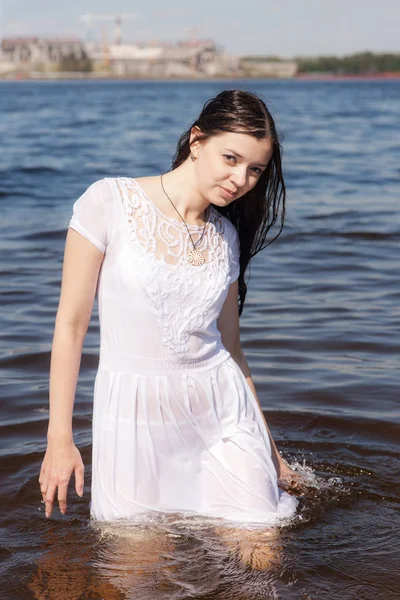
(239, 176)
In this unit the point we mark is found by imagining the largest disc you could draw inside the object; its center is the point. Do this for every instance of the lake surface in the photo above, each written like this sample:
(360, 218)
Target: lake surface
(321, 331)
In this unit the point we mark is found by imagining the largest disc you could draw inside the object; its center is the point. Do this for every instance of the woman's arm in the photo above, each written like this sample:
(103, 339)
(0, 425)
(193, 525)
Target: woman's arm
(228, 325)
(82, 261)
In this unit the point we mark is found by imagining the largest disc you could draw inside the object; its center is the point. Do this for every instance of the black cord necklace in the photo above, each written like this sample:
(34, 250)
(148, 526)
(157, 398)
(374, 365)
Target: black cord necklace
(195, 257)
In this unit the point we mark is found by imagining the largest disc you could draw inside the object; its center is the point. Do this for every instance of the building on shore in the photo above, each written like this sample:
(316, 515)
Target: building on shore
(200, 59)
(257, 67)
(58, 57)
(40, 53)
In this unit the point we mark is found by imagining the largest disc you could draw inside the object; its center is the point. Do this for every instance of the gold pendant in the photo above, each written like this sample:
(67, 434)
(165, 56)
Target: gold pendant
(196, 258)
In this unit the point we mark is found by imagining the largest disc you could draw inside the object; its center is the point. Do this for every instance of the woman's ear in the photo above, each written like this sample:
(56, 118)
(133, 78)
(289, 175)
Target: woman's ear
(194, 141)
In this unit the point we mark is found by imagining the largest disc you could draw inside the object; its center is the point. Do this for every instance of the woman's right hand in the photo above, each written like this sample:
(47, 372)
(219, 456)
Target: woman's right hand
(62, 458)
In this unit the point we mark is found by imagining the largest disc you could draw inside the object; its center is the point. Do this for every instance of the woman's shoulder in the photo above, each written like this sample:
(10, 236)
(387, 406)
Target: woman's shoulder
(98, 198)
(129, 186)
(99, 189)
(108, 189)
(146, 183)
(93, 214)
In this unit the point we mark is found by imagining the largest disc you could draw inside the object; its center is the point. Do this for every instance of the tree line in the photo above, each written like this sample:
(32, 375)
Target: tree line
(361, 63)
(356, 64)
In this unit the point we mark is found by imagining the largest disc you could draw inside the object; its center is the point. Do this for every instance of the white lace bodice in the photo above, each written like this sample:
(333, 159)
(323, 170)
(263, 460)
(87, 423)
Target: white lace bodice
(151, 299)
(167, 239)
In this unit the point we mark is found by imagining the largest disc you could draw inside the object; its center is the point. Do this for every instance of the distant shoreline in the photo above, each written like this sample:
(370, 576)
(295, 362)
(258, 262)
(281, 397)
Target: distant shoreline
(330, 76)
(102, 76)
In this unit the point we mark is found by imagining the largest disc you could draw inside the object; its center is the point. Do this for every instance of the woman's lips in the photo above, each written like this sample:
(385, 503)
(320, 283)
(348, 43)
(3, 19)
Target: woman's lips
(226, 193)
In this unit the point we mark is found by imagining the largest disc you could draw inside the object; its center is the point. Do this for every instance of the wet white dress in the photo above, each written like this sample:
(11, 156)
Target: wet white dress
(176, 428)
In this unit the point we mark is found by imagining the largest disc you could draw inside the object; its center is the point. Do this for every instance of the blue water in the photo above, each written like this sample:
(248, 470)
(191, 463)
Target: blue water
(320, 330)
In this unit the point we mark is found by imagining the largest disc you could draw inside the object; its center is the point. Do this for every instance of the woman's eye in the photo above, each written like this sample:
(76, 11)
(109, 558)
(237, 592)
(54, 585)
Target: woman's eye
(257, 170)
(232, 159)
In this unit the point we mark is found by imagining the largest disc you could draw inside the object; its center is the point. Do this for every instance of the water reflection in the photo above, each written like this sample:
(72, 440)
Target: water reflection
(176, 556)
(180, 557)
(166, 560)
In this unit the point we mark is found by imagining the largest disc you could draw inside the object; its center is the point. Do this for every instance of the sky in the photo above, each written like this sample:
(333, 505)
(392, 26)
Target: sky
(285, 28)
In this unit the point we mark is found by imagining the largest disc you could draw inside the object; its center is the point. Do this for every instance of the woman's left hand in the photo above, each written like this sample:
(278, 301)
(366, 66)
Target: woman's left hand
(289, 479)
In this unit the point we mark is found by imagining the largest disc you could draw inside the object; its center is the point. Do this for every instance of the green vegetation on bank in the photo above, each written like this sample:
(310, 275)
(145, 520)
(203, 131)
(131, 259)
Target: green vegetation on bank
(355, 64)
(362, 63)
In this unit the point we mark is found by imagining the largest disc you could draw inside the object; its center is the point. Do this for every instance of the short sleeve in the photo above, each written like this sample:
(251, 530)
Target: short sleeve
(234, 253)
(89, 214)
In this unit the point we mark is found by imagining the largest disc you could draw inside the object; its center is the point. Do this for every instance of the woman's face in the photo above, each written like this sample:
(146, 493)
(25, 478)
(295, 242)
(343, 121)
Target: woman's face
(228, 165)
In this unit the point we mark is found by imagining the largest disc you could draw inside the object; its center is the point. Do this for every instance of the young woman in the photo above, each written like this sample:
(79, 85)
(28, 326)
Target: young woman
(177, 426)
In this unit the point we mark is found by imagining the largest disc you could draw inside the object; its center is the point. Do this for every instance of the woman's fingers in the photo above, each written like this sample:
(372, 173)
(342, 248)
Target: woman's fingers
(49, 498)
(43, 482)
(43, 488)
(62, 497)
(58, 465)
(79, 479)
(292, 482)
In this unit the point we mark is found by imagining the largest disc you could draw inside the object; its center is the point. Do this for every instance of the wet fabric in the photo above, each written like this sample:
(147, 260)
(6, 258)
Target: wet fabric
(176, 428)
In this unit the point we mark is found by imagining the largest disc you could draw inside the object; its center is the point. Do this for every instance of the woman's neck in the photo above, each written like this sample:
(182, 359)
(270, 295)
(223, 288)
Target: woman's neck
(181, 187)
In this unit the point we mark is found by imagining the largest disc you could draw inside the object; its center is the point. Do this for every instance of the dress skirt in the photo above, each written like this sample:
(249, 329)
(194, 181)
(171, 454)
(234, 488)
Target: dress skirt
(181, 437)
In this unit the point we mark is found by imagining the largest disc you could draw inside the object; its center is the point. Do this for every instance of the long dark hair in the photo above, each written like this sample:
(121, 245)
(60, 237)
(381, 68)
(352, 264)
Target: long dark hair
(256, 212)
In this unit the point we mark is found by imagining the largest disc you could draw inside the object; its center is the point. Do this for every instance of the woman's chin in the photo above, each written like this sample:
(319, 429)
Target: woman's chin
(219, 200)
